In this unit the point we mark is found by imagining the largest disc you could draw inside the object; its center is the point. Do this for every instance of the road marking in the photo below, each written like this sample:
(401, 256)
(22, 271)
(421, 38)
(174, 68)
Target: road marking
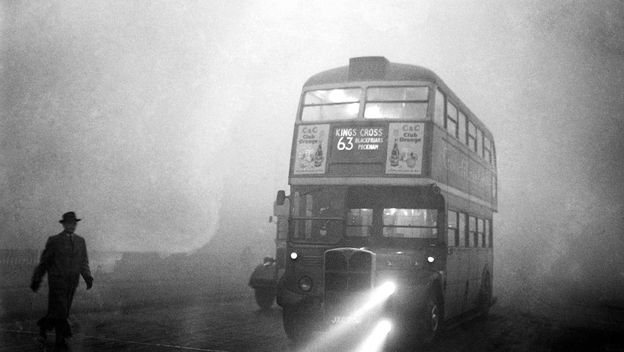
(123, 341)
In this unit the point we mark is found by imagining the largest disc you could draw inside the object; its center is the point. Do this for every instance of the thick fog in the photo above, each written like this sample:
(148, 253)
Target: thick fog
(165, 124)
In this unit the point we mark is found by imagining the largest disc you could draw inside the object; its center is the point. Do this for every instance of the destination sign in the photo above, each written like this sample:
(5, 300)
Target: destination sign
(358, 144)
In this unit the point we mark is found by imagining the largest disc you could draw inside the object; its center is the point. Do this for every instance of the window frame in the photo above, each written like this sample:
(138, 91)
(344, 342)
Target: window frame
(452, 214)
(479, 142)
(357, 101)
(487, 150)
(462, 228)
(481, 232)
(461, 127)
(306, 218)
(453, 119)
(493, 153)
(434, 228)
(472, 137)
(439, 110)
(472, 232)
(369, 227)
(487, 233)
(424, 100)
(380, 102)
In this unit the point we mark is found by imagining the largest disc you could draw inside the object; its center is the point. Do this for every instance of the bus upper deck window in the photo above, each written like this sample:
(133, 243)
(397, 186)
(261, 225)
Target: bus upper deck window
(396, 103)
(479, 142)
(461, 127)
(487, 150)
(451, 119)
(472, 136)
(331, 104)
(439, 108)
(397, 93)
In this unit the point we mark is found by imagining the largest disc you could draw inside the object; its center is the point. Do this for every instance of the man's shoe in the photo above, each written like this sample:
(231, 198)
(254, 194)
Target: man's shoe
(42, 335)
(60, 342)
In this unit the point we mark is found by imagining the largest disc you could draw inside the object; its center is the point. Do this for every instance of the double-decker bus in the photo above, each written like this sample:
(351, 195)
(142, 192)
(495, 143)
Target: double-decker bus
(393, 187)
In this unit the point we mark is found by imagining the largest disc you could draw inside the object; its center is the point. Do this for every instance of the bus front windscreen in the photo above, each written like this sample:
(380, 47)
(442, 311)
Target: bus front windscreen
(318, 215)
(410, 223)
(330, 214)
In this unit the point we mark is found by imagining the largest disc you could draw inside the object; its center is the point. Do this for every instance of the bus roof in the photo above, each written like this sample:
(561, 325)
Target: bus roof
(372, 68)
(378, 68)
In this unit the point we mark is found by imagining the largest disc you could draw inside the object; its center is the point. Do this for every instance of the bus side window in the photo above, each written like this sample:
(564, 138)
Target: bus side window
(479, 143)
(452, 235)
(439, 108)
(480, 232)
(493, 154)
(472, 136)
(494, 187)
(472, 231)
(462, 230)
(487, 150)
(488, 239)
(451, 119)
(488, 232)
(461, 127)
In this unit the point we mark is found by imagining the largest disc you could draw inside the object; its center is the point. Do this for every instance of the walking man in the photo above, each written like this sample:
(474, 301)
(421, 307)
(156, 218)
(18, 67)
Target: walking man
(64, 259)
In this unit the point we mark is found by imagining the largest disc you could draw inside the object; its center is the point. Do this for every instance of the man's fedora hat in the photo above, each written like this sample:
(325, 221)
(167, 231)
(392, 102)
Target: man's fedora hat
(70, 216)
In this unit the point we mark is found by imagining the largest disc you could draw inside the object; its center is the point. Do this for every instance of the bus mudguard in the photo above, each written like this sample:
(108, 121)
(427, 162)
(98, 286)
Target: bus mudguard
(286, 297)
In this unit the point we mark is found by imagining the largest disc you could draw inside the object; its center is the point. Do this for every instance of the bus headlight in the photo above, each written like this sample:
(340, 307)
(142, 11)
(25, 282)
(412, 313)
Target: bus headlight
(293, 255)
(384, 327)
(387, 289)
(305, 283)
(430, 259)
(382, 292)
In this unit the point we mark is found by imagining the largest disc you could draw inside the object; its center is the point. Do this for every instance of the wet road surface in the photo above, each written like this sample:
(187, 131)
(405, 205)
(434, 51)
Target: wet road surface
(227, 324)
(232, 322)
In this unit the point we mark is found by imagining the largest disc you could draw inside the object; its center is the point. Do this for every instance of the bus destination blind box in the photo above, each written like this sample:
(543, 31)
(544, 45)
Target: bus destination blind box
(367, 68)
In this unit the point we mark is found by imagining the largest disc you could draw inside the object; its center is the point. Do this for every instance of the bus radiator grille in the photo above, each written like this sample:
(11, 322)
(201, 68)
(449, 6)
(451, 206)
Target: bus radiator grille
(312, 261)
(348, 270)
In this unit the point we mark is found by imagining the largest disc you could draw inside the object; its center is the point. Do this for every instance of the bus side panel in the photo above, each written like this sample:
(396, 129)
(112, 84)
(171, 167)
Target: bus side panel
(453, 292)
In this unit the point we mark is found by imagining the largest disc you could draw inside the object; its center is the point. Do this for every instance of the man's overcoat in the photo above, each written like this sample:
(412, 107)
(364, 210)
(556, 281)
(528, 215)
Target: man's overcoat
(64, 259)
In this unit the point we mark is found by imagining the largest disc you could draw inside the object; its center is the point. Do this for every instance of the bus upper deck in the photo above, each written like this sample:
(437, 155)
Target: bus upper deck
(380, 123)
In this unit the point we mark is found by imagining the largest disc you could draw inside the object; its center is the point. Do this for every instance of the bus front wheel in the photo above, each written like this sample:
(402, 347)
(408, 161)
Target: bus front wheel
(294, 325)
(432, 319)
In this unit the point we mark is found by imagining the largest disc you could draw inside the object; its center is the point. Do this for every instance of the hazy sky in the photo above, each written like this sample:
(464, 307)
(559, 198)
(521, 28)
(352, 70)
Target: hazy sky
(160, 122)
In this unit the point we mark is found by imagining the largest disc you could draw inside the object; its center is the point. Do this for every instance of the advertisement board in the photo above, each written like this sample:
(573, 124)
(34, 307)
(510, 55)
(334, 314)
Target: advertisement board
(405, 148)
(311, 149)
